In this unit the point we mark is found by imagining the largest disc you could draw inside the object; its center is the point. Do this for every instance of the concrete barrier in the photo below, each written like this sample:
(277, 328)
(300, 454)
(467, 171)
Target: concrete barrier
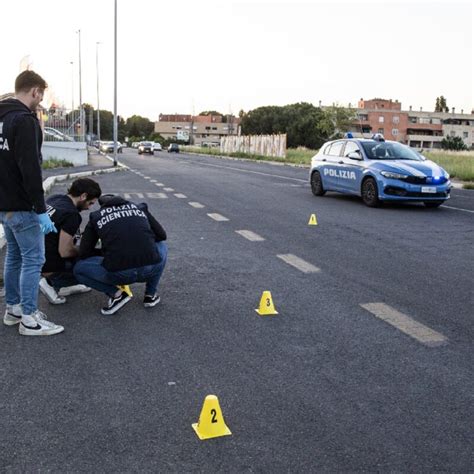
(74, 152)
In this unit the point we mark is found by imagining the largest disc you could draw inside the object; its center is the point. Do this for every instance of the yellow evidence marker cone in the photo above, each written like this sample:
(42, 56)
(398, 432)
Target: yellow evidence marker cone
(125, 288)
(211, 423)
(266, 307)
(312, 220)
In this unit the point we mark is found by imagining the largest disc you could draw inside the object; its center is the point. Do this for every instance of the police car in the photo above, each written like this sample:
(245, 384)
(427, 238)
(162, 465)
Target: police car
(378, 170)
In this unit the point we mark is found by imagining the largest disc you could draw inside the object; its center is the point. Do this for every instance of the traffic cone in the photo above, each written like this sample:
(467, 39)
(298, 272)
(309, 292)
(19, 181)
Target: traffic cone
(211, 423)
(125, 288)
(266, 307)
(312, 220)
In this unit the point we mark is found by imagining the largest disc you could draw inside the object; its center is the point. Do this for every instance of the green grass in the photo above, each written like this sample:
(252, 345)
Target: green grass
(53, 163)
(300, 156)
(459, 165)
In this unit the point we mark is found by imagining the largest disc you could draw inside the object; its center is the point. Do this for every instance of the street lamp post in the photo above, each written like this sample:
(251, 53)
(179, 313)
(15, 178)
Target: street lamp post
(81, 112)
(98, 102)
(115, 84)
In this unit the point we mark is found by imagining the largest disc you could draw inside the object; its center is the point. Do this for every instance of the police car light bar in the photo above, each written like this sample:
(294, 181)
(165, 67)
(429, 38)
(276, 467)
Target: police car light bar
(378, 137)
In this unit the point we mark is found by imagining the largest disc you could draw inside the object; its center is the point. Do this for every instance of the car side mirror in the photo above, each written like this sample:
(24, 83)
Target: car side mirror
(354, 155)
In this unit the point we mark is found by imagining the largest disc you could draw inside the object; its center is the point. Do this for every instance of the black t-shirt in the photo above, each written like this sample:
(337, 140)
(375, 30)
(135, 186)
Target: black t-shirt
(66, 217)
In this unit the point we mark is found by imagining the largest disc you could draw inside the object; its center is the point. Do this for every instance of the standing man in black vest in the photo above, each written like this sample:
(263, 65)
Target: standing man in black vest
(133, 251)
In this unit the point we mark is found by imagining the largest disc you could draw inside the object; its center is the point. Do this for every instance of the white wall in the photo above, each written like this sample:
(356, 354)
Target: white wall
(74, 152)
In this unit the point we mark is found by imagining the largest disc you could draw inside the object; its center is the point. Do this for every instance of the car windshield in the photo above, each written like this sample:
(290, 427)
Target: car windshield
(389, 151)
(146, 144)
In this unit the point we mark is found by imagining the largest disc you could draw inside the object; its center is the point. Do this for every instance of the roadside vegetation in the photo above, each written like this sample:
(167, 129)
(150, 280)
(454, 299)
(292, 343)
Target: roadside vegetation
(53, 163)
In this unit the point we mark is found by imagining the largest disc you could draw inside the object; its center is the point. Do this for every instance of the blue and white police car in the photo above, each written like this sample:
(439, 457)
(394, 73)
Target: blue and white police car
(378, 170)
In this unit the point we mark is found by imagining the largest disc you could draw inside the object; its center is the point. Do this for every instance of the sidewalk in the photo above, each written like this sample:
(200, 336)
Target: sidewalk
(96, 161)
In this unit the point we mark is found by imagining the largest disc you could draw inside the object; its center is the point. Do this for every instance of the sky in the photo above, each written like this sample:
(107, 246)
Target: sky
(188, 56)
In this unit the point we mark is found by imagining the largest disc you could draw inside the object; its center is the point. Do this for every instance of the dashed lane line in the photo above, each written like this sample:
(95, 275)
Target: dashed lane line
(217, 217)
(160, 185)
(299, 263)
(180, 196)
(152, 180)
(168, 189)
(249, 235)
(407, 325)
(157, 195)
(197, 205)
(129, 195)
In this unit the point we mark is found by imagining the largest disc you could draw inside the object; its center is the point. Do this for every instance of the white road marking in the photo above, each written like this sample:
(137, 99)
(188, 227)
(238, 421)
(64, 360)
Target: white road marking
(197, 205)
(299, 263)
(458, 209)
(168, 189)
(252, 172)
(218, 217)
(180, 196)
(157, 195)
(129, 195)
(249, 235)
(152, 180)
(159, 184)
(146, 177)
(407, 325)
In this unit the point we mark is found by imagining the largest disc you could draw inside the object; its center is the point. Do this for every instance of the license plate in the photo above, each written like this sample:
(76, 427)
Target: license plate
(428, 189)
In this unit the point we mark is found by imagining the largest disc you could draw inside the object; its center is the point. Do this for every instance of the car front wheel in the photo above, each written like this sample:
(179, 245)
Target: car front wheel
(317, 184)
(432, 203)
(370, 193)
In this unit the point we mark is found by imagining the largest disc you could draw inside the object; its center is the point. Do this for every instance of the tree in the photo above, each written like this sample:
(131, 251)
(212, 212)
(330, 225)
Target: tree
(304, 124)
(453, 143)
(210, 112)
(441, 105)
(142, 125)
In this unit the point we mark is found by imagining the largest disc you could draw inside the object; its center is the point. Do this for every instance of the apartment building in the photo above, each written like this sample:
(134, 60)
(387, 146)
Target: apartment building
(197, 129)
(418, 129)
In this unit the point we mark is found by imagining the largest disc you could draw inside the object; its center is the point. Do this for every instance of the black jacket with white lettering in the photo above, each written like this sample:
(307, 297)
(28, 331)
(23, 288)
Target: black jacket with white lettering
(21, 183)
(128, 233)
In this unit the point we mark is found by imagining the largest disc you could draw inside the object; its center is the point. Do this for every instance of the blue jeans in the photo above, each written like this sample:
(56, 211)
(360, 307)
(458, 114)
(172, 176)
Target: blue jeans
(24, 259)
(90, 272)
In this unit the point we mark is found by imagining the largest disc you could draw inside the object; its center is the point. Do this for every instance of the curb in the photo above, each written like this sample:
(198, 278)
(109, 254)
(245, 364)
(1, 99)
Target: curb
(48, 183)
(232, 158)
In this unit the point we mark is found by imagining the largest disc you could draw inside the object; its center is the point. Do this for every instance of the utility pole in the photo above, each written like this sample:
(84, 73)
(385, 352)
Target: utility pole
(115, 83)
(98, 102)
(81, 111)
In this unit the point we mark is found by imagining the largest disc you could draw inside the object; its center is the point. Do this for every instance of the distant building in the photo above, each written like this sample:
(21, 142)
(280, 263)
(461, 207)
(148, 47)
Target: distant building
(417, 129)
(197, 129)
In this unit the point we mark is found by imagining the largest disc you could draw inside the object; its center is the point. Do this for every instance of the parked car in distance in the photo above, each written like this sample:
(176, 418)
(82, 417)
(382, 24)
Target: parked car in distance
(157, 146)
(145, 147)
(108, 147)
(173, 148)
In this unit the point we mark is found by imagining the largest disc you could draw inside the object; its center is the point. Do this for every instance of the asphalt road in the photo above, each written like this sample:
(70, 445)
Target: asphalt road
(325, 385)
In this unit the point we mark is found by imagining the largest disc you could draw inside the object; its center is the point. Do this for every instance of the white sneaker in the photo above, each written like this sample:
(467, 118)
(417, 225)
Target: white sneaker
(36, 324)
(73, 290)
(12, 315)
(50, 292)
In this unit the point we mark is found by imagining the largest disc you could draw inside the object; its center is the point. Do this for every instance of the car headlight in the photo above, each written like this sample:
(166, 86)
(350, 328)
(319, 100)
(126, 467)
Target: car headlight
(392, 175)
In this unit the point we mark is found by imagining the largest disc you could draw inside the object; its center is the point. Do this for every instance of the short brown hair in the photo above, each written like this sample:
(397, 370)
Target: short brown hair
(27, 80)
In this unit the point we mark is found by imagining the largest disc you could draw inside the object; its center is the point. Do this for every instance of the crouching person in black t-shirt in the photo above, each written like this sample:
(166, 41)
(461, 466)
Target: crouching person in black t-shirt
(133, 251)
(60, 248)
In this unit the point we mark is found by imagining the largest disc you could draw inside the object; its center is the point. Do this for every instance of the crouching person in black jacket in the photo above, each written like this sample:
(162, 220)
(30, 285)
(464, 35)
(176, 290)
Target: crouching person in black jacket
(133, 250)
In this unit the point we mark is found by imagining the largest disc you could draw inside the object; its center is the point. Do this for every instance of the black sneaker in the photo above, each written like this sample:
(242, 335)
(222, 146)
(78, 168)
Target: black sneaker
(150, 301)
(115, 304)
